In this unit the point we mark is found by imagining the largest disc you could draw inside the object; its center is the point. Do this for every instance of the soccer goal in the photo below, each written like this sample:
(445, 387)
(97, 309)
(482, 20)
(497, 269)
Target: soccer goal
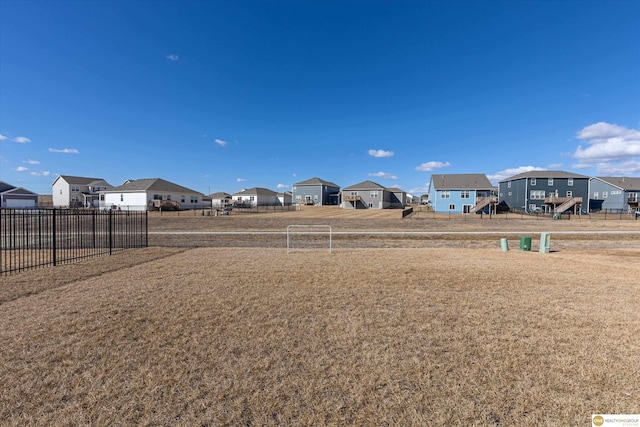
(309, 238)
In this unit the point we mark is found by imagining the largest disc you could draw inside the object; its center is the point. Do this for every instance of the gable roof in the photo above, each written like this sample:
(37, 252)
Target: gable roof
(78, 180)
(256, 191)
(545, 174)
(150, 184)
(5, 187)
(461, 181)
(623, 183)
(220, 195)
(317, 181)
(365, 185)
(19, 190)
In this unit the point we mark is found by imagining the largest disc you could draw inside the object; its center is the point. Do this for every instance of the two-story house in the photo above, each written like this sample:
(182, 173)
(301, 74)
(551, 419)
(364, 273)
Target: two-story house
(614, 194)
(545, 191)
(78, 192)
(315, 191)
(462, 193)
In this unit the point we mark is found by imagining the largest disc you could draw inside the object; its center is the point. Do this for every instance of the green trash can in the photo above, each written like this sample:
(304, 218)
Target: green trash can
(525, 243)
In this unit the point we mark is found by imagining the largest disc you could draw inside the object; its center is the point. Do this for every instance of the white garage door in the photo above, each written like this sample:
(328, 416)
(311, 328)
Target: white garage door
(20, 203)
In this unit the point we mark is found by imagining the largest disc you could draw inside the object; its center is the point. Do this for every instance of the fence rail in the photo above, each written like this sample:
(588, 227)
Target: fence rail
(43, 237)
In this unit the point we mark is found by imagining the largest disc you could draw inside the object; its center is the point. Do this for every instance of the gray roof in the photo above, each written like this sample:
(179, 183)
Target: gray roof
(317, 181)
(150, 184)
(545, 175)
(19, 190)
(5, 187)
(461, 181)
(624, 183)
(220, 195)
(79, 180)
(365, 185)
(256, 191)
(395, 190)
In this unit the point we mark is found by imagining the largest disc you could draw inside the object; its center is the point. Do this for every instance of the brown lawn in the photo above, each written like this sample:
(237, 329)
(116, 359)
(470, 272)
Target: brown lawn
(254, 336)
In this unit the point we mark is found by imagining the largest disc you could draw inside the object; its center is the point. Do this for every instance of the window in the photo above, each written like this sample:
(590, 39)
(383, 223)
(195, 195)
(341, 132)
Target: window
(194, 199)
(354, 193)
(452, 207)
(464, 194)
(537, 194)
(509, 184)
(122, 197)
(168, 196)
(61, 191)
(445, 194)
(550, 182)
(569, 193)
(570, 182)
(596, 194)
(533, 181)
(370, 205)
(182, 198)
(605, 194)
(75, 188)
(373, 194)
(466, 209)
(510, 193)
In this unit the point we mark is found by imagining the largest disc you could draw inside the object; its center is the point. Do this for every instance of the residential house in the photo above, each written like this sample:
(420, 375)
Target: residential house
(545, 191)
(150, 194)
(316, 191)
(462, 193)
(256, 196)
(78, 192)
(369, 194)
(12, 197)
(614, 194)
(220, 200)
(285, 198)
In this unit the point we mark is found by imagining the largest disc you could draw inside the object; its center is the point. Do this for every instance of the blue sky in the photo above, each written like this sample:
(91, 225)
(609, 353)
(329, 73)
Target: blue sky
(225, 95)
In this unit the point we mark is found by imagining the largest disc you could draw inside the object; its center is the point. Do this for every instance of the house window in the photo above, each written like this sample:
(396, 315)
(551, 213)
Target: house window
(509, 193)
(569, 193)
(168, 196)
(445, 194)
(550, 182)
(61, 191)
(452, 207)
(373, 194)
(595, 194)
(102, 197)
(194, 199)
(605, 194)
(353, 193)
(75, 188)
(157, 197)
(370, 205)
(122, 197)
(537, 194)
(182, 198)
(464, 194)
(570, 182)
(509, 184)
(466, 209)
(533, 181)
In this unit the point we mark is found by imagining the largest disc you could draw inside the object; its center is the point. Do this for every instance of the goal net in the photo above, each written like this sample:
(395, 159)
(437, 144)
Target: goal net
(308, 238)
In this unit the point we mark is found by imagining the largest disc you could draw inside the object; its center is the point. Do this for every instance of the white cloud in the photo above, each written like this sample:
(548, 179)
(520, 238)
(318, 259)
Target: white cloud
(384, 175)
(611, 149)
(64, 150)
(419, 191)
(32, 162)
(21, 169)
(554, 166)
(282, 186)
(43, 173)
(2, 137)
(241, 180)
(21, 139)
(173, 57)
(607, 142)
(220, 142)
(508, 173)
(380, 153)
(429, 166)
(294, 174)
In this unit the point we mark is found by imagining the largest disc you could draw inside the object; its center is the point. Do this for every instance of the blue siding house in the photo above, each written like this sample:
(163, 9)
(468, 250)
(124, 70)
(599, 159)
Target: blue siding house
(462, 193)
(619, 194)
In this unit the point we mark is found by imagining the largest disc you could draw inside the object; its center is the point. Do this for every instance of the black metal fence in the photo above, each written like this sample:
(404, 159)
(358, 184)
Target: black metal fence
(42, 237)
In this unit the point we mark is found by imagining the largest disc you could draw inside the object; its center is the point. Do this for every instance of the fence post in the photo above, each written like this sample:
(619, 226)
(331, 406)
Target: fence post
(54, 237)
(146, 229)
(110, 231)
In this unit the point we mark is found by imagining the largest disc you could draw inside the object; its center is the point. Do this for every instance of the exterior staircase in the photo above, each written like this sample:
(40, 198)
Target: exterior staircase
(482, 202)
(566, 203)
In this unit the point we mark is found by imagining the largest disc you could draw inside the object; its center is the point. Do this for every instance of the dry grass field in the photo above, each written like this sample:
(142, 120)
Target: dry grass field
(396, 336)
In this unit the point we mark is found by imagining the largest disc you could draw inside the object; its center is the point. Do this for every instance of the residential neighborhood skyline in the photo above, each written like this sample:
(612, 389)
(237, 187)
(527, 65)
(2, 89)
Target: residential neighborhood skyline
(219, 96)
